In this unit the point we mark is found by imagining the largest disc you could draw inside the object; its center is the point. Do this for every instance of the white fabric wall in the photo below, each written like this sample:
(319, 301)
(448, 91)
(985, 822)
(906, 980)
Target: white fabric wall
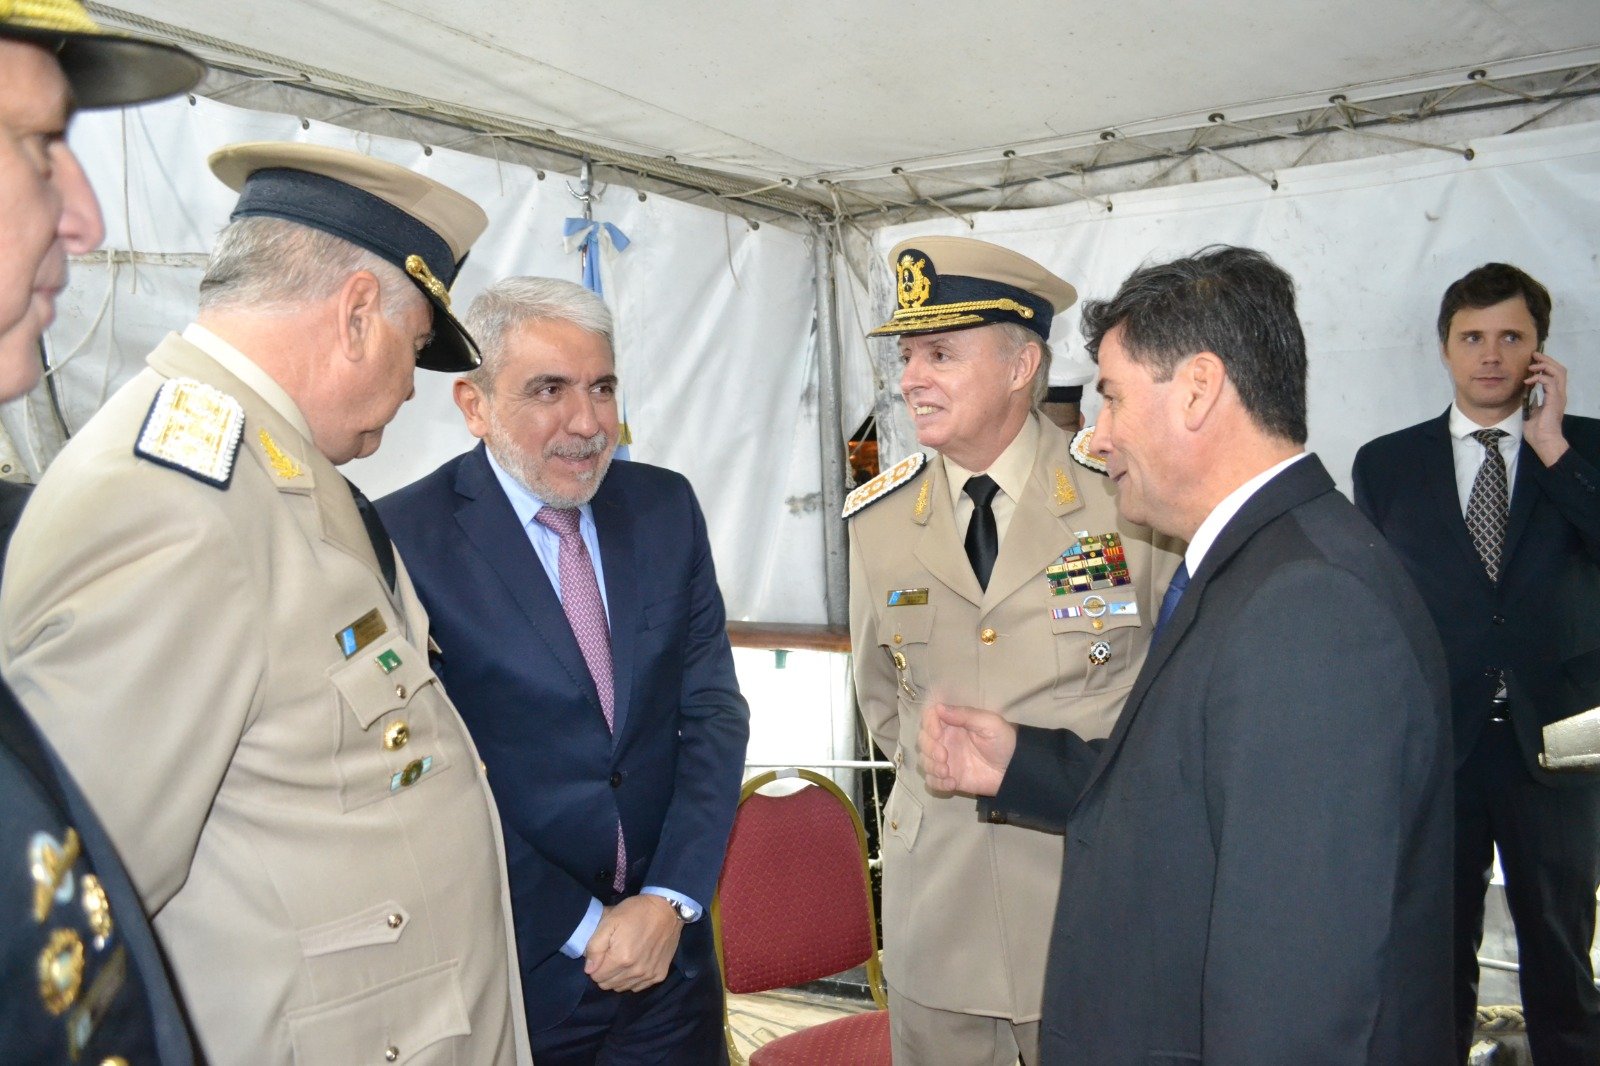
(1371, 243)
(715, 346)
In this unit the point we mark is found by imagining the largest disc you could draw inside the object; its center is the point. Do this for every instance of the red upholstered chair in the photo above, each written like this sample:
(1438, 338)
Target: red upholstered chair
(795, 905)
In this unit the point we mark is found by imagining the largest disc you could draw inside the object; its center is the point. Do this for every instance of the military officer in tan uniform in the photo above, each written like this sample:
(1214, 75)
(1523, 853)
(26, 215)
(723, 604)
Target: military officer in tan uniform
(994, 573)
(235, 665)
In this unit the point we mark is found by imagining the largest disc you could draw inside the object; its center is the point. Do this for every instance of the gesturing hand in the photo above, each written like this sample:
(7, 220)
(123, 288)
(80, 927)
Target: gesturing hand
(965, 749)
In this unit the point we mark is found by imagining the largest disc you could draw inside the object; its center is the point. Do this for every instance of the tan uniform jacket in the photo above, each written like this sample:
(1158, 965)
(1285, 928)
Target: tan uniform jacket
(178, 644)
(968, 906)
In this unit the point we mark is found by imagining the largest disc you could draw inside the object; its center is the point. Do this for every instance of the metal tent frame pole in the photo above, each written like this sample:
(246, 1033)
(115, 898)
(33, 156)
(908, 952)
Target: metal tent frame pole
(830, 415)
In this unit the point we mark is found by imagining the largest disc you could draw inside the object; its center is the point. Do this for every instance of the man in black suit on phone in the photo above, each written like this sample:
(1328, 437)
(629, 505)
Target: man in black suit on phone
(1494, 507)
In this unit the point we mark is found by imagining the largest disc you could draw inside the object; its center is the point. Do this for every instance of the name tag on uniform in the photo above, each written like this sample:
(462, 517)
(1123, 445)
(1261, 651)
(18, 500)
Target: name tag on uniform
(363, 631)
(907, 597)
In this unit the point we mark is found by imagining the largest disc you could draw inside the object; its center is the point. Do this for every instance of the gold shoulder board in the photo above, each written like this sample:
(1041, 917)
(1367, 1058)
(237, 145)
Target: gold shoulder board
(885, 483)
(1083, 456)
(193, 428)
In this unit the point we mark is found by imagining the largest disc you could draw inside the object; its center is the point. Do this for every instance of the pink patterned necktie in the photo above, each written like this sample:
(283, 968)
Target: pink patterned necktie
(586, 614)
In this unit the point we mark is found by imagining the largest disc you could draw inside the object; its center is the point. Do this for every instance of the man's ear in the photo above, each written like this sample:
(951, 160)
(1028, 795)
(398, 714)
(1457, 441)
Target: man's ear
(359, 306)
(1203, 379)
(474, 406)
(1024, 365)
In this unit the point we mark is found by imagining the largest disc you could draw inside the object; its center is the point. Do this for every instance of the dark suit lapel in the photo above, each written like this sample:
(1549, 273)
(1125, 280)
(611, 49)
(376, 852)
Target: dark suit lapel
(1438, 469)
(612, 524)
(1303, 481)
(486, 517)
(1522, 494)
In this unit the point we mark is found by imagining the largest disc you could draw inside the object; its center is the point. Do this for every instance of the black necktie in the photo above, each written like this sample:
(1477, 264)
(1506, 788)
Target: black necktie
(983, 541)
(1488, 505)
(381, 546)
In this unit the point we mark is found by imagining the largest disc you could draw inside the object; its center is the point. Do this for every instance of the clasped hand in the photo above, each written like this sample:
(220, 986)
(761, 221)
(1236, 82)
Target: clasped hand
(633, 945)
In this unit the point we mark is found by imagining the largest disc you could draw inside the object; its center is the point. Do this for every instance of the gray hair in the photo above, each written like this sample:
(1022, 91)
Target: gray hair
(512, 302)
(1020, 335)
(274, 266)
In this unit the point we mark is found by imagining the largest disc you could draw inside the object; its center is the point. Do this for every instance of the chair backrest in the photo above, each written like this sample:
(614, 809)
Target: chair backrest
(794, 903)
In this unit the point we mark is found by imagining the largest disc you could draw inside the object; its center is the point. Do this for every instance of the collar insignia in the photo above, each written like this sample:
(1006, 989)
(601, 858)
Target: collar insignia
(284, 465)
(1065, 493)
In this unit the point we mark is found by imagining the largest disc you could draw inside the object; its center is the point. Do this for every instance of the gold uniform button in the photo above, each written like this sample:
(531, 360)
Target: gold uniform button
(988, 636)
(115, 1060)
(391, 1053)
(483, 768)
(1097, 624)
(898, 638)
(395, 737)
(395, 921)
(400, 692)
(894, 825)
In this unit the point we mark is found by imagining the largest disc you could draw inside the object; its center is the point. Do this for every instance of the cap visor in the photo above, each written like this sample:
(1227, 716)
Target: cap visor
(452, 350)
(112, 71)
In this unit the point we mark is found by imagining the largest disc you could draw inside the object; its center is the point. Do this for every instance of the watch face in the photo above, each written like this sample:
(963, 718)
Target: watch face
(684, 912)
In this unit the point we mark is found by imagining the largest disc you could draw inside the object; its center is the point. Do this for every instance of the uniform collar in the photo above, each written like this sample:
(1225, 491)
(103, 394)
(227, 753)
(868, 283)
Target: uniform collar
(1010, 470)
(248, 371)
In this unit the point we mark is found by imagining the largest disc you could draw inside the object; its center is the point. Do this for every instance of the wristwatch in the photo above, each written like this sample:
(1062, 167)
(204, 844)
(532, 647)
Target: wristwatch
(685, 913)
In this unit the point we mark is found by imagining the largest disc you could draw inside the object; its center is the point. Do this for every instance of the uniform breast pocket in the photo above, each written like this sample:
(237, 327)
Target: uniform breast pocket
(1100, 641)
(390, 706)
(904, 639)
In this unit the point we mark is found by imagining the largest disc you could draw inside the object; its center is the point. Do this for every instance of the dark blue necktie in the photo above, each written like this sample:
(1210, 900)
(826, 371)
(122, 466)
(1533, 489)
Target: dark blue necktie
(1169, 602)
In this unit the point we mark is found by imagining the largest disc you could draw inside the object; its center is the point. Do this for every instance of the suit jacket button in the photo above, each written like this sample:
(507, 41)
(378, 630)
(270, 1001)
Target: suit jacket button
(997, 817)
(988, 636)
(603, 877)
(616, 780)
(1499, 619)
(391, 1053)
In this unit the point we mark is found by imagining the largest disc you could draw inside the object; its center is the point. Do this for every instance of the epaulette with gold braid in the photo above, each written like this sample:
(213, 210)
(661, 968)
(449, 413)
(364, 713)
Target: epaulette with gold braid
(193, 428)
(885, 483)
(1083, 456)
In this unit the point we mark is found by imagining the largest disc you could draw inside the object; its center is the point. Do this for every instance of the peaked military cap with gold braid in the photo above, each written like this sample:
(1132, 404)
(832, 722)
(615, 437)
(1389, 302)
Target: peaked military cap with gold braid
(948, 283)
(419, 225)
(105, 69)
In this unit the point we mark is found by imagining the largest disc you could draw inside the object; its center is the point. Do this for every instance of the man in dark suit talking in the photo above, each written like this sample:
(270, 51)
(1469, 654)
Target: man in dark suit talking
(583, 639)
(1495, 510)
(1257, 858)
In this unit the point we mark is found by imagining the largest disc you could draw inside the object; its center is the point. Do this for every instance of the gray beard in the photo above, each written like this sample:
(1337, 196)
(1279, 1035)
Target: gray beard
(528, 471)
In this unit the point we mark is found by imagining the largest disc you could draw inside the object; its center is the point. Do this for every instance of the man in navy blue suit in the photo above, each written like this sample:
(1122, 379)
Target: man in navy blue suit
(582, 636)
(1494, 508)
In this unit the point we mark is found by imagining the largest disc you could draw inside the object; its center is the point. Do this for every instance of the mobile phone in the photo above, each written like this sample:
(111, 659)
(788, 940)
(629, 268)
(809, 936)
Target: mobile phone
(1532, 395)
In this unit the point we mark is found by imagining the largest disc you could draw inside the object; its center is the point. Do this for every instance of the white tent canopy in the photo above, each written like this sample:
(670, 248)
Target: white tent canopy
(803, 121)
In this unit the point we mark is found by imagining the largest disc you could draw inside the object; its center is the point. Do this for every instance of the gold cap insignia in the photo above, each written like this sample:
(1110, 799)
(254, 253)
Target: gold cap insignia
(915, 286)
(418, 268)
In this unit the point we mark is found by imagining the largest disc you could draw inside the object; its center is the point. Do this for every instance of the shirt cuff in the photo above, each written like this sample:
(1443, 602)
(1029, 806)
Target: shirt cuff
(579, 940)
(676, 897)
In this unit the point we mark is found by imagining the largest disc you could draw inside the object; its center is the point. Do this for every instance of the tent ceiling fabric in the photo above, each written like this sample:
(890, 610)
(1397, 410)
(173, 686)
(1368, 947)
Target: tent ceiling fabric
(844, 92)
